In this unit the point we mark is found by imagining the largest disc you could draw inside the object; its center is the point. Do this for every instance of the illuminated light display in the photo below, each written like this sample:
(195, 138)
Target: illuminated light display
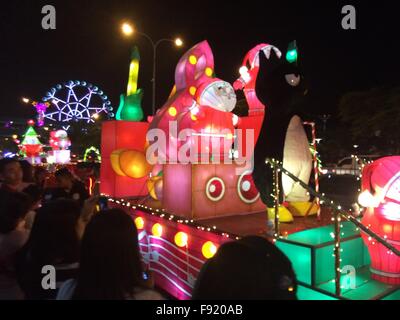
(130, 108)
(367, 200)
(131, 163)
(139, 221)
(92, 150)
(41, 108)
(244, 73)
(235, 120)
(209, 249)
(181, 239)
(59, 140)
(292, 54)
(76, 101)
(157, 230)
(117, 137)
(114, 159)
(172, 111)
(192, 90)
(192, 59)
(381, 197)
(30, 146)
(207, 112)
(60, 143)
(62, 156)
(217, 94)
(194, 84)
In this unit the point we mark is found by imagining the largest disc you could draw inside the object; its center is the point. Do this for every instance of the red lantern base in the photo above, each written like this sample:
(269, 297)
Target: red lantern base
(385, 265)
(121, 135)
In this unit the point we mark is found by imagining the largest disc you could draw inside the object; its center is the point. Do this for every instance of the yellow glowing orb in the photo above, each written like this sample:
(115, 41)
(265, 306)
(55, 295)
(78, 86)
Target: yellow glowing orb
(134, 164)
(192, 90)
(209, 72)
(192, 59)
(139, 223)
(209, 250)
(172, 111)
(229, 136)
(157, 230)
(181, 239)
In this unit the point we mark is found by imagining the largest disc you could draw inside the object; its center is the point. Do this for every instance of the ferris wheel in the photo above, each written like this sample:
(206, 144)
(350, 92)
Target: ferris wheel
(77, 101)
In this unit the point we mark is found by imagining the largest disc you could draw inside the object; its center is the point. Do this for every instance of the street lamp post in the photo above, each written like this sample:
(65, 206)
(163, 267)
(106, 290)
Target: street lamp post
(153, 80)
(129, 30)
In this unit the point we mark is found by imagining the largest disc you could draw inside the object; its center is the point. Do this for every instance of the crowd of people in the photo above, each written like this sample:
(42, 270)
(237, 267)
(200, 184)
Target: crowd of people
(51, 219)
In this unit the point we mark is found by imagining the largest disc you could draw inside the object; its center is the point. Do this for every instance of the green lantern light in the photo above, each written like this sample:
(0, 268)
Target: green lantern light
(130, 108)
(292, 53)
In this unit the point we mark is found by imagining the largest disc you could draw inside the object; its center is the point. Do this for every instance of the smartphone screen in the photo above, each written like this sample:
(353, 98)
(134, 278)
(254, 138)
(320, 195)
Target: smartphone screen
(103, 203)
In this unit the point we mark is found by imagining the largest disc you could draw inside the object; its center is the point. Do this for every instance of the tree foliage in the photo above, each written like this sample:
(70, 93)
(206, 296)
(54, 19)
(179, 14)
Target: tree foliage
(373, 117)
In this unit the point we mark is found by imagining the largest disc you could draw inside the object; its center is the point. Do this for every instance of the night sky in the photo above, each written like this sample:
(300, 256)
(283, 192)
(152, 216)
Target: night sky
(87, 45)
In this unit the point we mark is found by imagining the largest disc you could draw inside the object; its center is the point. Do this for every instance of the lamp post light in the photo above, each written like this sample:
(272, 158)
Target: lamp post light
(129, 30)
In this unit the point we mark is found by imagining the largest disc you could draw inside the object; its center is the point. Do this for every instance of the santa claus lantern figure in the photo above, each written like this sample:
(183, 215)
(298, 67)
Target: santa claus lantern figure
(60, 143)
(381, 198)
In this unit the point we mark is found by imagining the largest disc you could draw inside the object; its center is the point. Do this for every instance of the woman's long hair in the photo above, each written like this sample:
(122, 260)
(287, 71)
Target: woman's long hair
(248, 269)
(54, 238)
(110, 264)
(53, 241)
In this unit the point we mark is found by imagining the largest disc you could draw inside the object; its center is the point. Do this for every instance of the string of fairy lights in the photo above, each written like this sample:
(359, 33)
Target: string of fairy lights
(338, 216)
(180, 238)
(209, 249)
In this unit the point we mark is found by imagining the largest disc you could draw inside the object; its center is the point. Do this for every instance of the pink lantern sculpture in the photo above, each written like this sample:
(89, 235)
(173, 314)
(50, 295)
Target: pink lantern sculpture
(381, 197)
(60, 143)
(59, 140)
(200, 104)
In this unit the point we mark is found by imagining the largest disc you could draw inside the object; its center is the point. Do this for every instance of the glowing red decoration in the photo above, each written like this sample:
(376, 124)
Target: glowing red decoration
(59, 140)
(215, 189)
(246, 188)
(198, 102)
(381, 183)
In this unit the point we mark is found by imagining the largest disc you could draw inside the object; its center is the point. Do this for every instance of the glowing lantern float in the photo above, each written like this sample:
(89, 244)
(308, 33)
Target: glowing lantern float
(130, 163)
(381, 194)
(209, 249)
(139, 222)
(181, 239)
(157, 230)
